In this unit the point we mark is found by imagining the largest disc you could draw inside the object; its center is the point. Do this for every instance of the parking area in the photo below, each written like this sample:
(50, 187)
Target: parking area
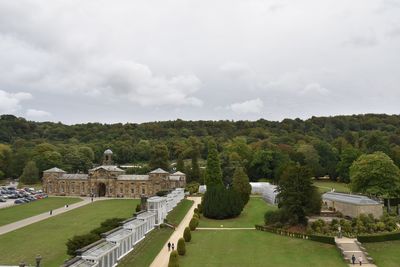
(11, 195)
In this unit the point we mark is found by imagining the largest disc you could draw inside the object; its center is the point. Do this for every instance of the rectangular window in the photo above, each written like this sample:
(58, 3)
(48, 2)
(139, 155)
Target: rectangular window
(143, 191)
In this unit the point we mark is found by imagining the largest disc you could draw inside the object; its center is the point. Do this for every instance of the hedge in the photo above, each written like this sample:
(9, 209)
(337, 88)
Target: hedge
(378, 237)
(317, 238)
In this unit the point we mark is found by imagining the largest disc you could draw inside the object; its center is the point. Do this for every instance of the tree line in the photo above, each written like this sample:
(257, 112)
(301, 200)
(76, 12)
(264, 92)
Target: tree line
(324, 145)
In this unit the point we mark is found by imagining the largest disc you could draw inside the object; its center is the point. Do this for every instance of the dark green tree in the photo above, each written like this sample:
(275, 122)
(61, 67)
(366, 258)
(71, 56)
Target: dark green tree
(159, 157)
(180, 164)
(295, 190)
(241, 184)
(213, 169)
(173, 259)
(30, 175)
(348, 156)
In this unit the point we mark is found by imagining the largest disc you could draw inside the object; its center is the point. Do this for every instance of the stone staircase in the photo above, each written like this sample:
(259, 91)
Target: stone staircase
(349, 247)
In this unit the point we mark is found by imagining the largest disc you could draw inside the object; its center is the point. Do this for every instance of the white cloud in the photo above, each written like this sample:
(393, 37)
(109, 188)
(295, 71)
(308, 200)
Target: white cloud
(34, 113)
(314, 88)
(249, 106)
(10, 102)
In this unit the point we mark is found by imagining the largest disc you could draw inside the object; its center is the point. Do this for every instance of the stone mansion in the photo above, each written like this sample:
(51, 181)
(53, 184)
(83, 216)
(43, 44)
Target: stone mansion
(108, 180)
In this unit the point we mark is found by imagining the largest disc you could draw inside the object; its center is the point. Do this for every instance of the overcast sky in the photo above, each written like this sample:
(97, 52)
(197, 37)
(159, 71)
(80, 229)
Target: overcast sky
(134, 61)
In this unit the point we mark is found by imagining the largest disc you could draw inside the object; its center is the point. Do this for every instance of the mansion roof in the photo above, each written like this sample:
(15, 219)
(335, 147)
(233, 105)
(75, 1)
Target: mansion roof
(55, 169)
(110, 168)
(159, 170)
(133, 177)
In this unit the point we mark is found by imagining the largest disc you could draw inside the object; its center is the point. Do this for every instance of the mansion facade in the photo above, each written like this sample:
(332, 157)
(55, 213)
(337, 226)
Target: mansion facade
(108, 180)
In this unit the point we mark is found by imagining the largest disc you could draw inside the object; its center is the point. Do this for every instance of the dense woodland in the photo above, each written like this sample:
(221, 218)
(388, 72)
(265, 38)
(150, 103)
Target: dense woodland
(325, 145)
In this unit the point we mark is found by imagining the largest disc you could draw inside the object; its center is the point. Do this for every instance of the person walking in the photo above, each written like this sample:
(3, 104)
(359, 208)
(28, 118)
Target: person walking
(173, 246)
(353, 259)
(360, 260)
(169, 246)
(51, 212)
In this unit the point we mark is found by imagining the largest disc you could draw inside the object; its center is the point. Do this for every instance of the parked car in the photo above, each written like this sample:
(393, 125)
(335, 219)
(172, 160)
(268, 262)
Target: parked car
(19, 201)
(3, 200)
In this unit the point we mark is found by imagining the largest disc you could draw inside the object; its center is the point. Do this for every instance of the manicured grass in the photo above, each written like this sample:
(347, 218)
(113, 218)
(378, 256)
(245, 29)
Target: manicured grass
(178, 213)
(325, 186)
(385, 254)
(22, 211)
(48, 237)
(252, 214)
(145, 252)
(237, 248)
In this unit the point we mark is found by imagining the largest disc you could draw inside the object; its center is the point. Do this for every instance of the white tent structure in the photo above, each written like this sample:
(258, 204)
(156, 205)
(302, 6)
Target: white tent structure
(266, 190)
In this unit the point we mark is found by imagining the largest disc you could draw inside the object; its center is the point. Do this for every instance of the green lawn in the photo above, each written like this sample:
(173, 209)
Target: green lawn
(178, 213)
(145, 252)
(19, 212)
(385, 254)
(48, 237)
(252, 214)
(325, 186)
(237, 248)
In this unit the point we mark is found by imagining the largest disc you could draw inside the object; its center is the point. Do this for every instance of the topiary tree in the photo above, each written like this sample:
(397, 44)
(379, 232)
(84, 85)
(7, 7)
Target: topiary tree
(181, 247)
(187, 235)
(193, 224)
(241, 184)
(173, 259)
(200, 208)
(213, 169)
(221, 203)
(138, 208)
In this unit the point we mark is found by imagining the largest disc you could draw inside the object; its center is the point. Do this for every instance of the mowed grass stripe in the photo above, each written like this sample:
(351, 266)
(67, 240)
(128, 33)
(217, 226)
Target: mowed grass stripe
(256, 249)
(48, 237)
(23, 211)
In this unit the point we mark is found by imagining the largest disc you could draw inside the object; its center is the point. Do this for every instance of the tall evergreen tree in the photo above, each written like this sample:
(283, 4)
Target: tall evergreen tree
(30, 174)
(297, 195)
(180, 164)
(213, 170)
(195, 173)
(159, 157)
(241, 184)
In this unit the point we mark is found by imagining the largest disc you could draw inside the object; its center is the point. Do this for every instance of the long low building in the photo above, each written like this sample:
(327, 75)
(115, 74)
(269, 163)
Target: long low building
(109, 180)
(118, 242)
(352, 205)
(268, 191)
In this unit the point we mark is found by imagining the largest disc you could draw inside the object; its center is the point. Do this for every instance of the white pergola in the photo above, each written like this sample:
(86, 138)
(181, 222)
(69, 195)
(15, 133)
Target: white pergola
(103, 252)
(159, 206)
(123, 238)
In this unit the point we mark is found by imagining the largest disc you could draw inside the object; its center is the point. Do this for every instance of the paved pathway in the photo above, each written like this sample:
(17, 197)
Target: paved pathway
(37, 218)
(349, 246)
(163, 257)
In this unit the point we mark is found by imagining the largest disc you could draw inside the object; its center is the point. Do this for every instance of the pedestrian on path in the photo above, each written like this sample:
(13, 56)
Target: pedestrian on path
(353, 259)
(51, 212)
(169, 246)
(173, 246)
(360, 260)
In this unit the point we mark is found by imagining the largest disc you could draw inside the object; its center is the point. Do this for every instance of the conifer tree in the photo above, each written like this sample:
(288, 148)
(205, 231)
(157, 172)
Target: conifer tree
(241, 184)
(180, 165)
(213, 170)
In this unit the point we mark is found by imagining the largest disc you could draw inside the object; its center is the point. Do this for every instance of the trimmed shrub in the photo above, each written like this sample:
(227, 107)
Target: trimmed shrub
(173, 259)
(221, 203)
(181, 247)
(379, 237)
(195, 215)
(200, 207)
(194, 222)
(196, 210)
(138, 208)
(187, 235)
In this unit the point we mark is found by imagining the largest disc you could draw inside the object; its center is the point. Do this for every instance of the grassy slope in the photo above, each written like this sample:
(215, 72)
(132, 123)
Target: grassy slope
(147, 250)
(179, 212)
(19, 212)
(48, 237)
(239, 248)
(325, 186)
(385, 254)
(252, 214)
